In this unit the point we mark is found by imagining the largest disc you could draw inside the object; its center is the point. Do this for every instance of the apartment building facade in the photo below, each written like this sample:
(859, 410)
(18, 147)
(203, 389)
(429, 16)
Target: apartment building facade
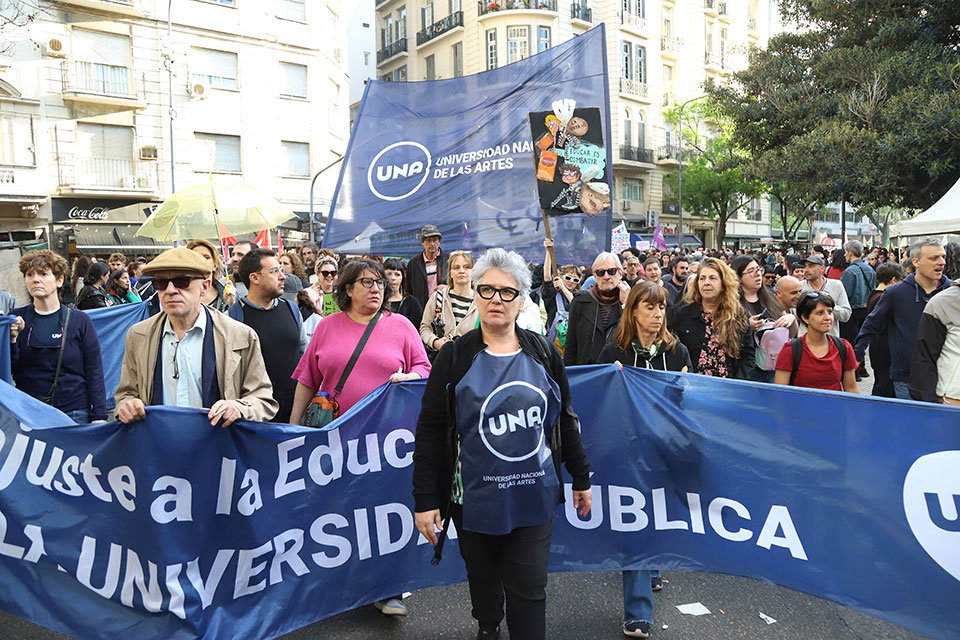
(259, 95)
(660, 52)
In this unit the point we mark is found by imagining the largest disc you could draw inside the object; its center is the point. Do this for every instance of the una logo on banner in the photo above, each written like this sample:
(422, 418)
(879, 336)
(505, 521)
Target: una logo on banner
(931, 500)
(399, 170)
(514, 435)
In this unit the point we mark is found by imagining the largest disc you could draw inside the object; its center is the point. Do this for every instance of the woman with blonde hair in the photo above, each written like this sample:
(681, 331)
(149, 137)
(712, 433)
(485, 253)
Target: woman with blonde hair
(448, 306)
(216, 296)
(713, 326)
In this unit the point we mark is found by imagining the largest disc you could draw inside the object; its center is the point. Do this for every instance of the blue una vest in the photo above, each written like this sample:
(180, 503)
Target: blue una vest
(507, 407)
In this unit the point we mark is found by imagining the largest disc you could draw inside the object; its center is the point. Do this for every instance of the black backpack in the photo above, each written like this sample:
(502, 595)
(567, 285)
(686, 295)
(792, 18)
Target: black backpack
(796, 350)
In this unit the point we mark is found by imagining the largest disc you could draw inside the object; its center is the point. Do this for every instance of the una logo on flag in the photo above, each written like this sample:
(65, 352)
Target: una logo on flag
(931, 501)
(399, 170)
(511, 421)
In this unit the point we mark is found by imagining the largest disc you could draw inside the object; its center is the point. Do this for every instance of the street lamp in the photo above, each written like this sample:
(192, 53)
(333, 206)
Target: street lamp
(313, 229)
(680, 176)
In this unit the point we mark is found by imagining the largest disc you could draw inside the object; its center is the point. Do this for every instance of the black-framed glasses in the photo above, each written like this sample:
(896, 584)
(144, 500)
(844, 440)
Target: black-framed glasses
(180, 282)
(367, 283)
(599, 273)
(507, 294)
(176, 363)
(329, 274)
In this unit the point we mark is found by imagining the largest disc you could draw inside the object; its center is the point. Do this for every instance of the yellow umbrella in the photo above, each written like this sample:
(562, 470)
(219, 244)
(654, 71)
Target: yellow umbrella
(206, 210)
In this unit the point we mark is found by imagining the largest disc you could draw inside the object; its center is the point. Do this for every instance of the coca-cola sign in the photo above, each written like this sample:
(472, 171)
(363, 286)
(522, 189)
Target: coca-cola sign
(94, 213)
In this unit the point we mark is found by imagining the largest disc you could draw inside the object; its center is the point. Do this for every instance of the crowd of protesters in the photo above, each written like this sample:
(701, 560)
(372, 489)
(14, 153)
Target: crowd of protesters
(304, 335)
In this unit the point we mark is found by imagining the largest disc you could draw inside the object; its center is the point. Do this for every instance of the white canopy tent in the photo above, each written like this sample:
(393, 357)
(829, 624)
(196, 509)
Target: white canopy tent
(940, 219)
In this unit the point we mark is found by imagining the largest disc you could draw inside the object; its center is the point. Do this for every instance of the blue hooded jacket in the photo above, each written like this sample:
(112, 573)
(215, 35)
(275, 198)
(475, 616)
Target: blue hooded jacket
(899, 310)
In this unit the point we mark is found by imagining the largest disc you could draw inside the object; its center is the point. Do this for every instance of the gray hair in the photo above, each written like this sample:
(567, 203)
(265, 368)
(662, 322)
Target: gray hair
(603, 257)
(510, 262)
(855, 247)
(918, 246)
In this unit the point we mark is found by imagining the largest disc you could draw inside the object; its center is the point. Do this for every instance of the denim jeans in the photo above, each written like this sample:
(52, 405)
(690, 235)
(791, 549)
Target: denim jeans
(80, 416)
(638, 596)
(901, 390)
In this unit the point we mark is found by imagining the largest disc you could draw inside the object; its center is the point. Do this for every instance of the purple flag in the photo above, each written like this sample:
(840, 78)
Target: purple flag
(658, 241)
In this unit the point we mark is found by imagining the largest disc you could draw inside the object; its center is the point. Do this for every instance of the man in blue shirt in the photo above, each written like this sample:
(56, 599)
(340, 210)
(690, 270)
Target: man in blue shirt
(859, 280)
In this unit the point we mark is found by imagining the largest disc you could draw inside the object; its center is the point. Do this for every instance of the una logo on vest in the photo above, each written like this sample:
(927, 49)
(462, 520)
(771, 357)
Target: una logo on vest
(931, 501)
(399, 171)
(512, 428)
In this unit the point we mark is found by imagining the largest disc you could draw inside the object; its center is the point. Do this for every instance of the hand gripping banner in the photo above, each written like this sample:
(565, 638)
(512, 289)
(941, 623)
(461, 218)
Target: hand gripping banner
(169, 528)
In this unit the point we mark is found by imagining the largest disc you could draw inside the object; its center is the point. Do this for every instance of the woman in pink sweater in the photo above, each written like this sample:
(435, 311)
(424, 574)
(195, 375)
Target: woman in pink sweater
(393, 352)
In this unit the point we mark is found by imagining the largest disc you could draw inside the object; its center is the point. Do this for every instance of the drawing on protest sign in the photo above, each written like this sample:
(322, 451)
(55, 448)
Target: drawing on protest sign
(570, 159)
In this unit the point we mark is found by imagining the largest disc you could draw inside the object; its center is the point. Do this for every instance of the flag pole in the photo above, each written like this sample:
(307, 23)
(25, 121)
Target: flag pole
(553, 256)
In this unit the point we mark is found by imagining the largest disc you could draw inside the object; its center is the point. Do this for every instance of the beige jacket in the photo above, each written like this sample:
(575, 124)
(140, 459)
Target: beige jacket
(240, 369)
(446, 311)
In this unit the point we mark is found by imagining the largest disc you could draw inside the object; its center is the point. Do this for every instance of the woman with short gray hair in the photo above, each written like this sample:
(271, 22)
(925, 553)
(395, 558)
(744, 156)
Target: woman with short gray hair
(494, 374)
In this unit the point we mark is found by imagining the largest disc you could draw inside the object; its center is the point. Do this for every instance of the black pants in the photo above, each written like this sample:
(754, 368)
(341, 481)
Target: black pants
(515, 564)
(850, 328)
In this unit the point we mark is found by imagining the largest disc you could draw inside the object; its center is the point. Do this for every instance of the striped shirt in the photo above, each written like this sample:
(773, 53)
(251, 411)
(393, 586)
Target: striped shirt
(460, 306)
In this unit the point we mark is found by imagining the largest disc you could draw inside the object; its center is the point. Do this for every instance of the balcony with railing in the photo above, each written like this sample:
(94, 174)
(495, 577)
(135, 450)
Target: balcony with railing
(635, 88)
(394, 48)
(580, 11)
(712, 61)
(710, 7)
(486, 7)
(120, 7)
(723, 10)
(636, 154)
(440, 28)
(668, 154)
(104, 84)
(634, 23)
(79, 173)
(670, 47)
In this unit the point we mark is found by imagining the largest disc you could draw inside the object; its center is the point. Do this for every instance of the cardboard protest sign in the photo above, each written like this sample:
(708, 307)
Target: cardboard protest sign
(570, 160)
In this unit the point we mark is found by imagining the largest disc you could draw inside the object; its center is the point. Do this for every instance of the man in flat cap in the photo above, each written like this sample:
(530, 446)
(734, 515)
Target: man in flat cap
(189, 356)
(426, 271)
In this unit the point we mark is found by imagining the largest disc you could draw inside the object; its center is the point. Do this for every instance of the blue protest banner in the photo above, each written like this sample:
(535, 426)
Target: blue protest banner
(855, 502)
(112, 324)
(457, 153)
(5, 373)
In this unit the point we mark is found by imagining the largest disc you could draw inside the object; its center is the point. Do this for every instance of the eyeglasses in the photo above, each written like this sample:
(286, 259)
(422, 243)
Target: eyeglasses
(271, 272)
(599, 273)
(751, 271)
(507, 294)
(573, 279)
(368, 283)
(176, 364)
(180, 282)
(329, 274)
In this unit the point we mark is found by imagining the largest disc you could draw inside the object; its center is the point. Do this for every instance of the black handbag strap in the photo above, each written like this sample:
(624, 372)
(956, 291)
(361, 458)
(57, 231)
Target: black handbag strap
(356, 354)
(63, 343)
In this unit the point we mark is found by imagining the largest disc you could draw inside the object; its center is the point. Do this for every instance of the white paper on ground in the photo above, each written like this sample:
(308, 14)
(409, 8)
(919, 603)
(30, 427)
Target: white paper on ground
(693, 609)
(766, 618)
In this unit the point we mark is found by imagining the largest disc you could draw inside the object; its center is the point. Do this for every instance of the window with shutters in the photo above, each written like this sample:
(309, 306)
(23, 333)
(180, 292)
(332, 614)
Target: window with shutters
(16, 140)
(627, 128)
(292, 10)
(641, 131)
(518, 43)
(431, 63)
(626, 60)
(543, 39)
(214, 152)
(216, 69)
(458, 60)
(104, 155)
(632, 189)
(641, 69)
(491, 49)
(293, 78)
(333, 112)
(102, 63)
(400, 74)
(296, 158)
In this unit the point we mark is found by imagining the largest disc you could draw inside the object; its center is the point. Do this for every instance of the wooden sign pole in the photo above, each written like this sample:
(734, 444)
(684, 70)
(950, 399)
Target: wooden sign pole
(554, 271)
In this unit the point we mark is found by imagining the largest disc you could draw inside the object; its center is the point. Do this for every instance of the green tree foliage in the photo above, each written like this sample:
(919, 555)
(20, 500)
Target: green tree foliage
(715, 179)
(864, 100)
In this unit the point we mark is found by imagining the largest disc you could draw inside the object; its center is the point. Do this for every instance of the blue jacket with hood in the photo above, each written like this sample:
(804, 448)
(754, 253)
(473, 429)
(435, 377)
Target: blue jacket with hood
(900, 309)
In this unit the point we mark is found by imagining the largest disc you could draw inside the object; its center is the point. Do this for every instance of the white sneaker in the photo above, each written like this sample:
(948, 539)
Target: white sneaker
(391, 607)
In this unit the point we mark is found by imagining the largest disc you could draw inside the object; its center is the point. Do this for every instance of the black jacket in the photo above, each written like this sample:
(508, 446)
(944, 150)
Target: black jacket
(435, 450)
(417, 276)
(585, 336)
(687, 324)
(674, 360)
(411, 309)
(91, 297)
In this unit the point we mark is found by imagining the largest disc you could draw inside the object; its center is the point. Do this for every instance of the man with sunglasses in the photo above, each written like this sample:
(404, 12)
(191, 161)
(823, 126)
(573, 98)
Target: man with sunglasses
(276, 320)
(189, 356)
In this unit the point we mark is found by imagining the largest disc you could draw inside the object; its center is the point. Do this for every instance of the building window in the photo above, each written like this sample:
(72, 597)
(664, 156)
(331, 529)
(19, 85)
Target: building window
(296, 158)
(491, 49)
(636, 7)
(400, 74)
(333, 20)
(217, 153)
(543, 39)
(386, 33)
(458, 60)
(426, 15)
(632, 188)
(102, 62)
(642, 8)
(294, 79)
(454, 6)
(366, 58)
(518, 43)
(641, 131)
(431, 62)
(401, 24)
(641, 69)
(626, 60)
(667, 78)
(333, 111)
(216, 69)
(229, 3)
(16, 140)
(293, 10)
(627, 128)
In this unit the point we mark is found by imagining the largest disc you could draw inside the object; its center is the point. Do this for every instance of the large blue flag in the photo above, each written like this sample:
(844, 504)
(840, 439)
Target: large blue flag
(112, 324)
(169, 528)
(5, 373)
(458, 153)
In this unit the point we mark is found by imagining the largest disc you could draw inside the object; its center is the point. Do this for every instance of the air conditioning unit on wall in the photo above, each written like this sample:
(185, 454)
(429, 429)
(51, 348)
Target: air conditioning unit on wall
(198, 90)
(148, 152)
(57, 48)
(653, 218)
(626, 205)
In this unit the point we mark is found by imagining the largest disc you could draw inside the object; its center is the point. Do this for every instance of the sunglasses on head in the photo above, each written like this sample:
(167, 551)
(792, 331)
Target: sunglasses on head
(180, 282)
(610, 272)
